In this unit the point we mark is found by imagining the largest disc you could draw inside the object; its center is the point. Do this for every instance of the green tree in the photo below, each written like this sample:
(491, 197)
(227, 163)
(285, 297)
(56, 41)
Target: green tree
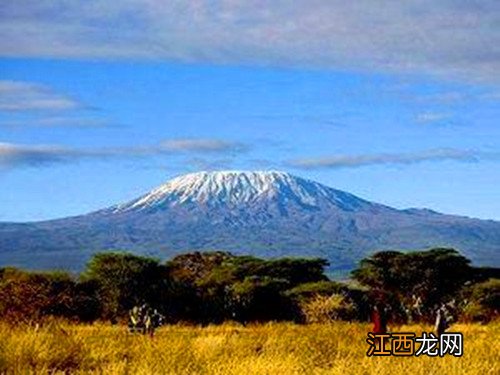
(260, 299)
(244, 288)
(400, 279)
(294, 271)
(124, 280)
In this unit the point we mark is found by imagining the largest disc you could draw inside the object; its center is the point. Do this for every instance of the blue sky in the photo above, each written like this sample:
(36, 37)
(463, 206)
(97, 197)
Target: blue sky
(101, 102)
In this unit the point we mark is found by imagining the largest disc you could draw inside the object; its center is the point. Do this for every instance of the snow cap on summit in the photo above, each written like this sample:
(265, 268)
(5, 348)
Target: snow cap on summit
(237, 187)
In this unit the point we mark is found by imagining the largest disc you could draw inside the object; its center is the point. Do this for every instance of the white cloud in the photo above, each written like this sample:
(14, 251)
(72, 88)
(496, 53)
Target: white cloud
(74, 122)
(201, 145)
(447, 37)
(354, 161)
(19, 155)
(432, 117)
(13, 155)
(27, 96)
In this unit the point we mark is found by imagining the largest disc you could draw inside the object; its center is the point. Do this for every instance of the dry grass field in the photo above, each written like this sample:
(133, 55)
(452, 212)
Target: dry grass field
(279, 348)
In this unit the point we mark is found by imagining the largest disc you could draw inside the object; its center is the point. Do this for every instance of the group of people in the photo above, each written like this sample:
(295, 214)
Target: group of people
(144, 319)
(443, 313)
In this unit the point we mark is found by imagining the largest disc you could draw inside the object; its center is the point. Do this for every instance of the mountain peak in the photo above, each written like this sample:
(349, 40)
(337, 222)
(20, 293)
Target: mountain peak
(235, 188)
(268, 214)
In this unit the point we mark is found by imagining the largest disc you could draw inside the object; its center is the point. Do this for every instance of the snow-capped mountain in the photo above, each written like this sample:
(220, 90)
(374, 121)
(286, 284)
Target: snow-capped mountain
(261, 213)
(235, 188)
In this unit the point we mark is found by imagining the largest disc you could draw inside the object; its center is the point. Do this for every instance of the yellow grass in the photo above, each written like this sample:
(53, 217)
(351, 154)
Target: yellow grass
(338, 348)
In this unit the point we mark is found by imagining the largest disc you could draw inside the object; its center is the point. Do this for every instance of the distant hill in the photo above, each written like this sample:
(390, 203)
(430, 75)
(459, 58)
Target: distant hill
(267, 214)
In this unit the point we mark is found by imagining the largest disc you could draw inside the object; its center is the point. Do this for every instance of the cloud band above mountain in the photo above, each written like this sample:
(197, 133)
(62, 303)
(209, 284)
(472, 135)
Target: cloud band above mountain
(451, 38)
(353, 161)
(201, 145)
(12, 155)
(16, 155)
(27, 96)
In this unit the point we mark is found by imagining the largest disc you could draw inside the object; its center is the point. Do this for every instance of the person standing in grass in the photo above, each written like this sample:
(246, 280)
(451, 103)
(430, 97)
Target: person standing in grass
(379, 319)
(443, 319)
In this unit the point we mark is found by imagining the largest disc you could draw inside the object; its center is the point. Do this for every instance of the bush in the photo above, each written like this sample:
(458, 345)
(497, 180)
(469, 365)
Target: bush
(483, 301)
(325, 309)
(31, 296)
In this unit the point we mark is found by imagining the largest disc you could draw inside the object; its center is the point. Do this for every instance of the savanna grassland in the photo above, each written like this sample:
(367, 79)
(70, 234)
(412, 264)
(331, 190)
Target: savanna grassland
(273, 348)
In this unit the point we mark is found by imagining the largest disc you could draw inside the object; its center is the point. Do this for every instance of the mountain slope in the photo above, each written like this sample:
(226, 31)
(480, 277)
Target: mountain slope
(261, 213)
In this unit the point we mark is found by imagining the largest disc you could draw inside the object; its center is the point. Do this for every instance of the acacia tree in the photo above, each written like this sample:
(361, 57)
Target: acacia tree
(400, 279)
(124, 280)
(243, 288)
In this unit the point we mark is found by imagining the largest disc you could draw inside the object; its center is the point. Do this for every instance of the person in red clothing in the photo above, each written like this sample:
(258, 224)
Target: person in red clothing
(379, 319)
